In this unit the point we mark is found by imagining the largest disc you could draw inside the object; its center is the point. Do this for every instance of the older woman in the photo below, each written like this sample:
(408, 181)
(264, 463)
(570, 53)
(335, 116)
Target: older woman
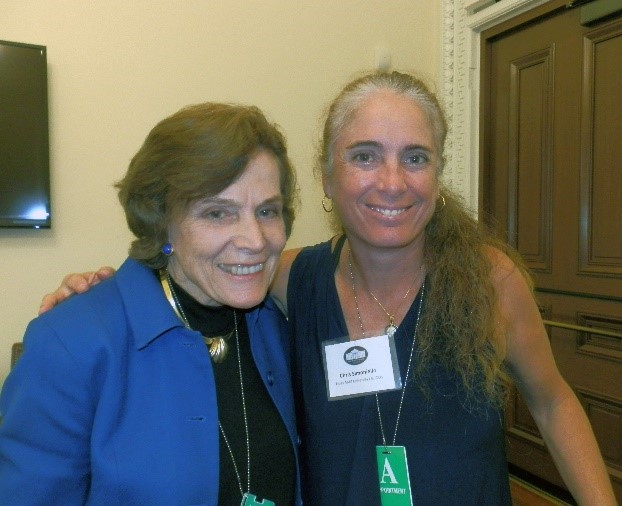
(117, 399)
(412, 273)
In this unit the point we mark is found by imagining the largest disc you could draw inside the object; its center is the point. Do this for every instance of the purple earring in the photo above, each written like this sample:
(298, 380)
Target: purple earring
(167, 249)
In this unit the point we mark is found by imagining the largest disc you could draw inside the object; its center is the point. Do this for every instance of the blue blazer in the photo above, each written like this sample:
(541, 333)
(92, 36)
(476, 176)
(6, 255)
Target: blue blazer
(114, 400)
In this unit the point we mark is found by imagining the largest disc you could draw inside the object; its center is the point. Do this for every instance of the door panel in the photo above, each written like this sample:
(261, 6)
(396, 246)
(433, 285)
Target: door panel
(552, 183)
(601, 148)
(530, 159)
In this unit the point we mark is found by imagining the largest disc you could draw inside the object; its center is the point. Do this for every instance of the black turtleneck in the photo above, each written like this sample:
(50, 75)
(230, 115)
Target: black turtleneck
(273, 470)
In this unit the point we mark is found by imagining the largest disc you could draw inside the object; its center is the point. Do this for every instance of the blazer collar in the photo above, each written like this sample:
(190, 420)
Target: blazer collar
(148, 312)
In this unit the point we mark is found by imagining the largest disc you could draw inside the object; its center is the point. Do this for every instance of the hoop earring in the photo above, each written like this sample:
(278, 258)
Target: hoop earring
(168, 249)
(442, 200)
(326, 210)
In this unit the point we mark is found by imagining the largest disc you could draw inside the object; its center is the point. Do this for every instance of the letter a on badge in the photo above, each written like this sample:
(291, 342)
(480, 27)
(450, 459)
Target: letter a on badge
(387, 472)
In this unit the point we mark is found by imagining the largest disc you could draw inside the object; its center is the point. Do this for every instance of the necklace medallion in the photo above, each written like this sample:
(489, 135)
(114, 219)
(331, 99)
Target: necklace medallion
(217, 346)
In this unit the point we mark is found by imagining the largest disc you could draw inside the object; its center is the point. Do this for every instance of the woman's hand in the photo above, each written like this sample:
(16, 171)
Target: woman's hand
(74, 283)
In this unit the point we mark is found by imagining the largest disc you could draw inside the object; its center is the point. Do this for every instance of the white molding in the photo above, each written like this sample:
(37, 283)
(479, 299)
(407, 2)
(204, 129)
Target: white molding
(500, 12)
(461, 83)
(473, 6)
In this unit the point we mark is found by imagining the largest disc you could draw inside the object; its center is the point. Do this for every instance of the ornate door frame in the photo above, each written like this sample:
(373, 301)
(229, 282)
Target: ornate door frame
(462, 23)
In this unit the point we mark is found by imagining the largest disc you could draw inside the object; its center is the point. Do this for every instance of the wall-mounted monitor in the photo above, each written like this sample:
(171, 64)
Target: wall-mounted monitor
(24, 137)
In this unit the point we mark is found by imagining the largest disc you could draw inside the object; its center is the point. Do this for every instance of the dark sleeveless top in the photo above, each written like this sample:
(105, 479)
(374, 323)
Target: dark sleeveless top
(455, 456)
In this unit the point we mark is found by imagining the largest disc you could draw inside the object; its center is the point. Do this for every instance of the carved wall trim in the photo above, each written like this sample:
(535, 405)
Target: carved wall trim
(460, 62)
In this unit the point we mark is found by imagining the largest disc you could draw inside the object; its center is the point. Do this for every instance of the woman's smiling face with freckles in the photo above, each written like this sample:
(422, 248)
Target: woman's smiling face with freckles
(384, 182)
(227, 247)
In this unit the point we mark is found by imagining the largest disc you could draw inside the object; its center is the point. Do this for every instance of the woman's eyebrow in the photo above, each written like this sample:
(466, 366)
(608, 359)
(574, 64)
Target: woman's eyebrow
(378, 145)
(364, 144)
(276, 198)
(414, 147)
(215, 199)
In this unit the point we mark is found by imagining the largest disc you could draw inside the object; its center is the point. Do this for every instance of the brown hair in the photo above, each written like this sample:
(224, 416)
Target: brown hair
(460, 324)
(195, 153)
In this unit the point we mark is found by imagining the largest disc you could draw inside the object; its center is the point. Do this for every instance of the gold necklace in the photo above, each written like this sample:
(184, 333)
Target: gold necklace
(218, 347)
(391, 328)
(410, 356)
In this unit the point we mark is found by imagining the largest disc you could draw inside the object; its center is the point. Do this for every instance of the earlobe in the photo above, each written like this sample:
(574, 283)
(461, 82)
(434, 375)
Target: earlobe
(326, 187)
(327, 203)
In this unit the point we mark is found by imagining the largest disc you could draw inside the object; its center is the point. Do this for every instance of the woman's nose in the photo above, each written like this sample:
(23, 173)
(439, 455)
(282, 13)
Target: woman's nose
(250, 234)
(391, 177)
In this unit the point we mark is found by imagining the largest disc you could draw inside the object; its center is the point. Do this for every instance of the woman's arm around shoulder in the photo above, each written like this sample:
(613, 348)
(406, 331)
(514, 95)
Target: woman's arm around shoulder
(80, 282)
(72, 284)
(552, 403)
(278, 289)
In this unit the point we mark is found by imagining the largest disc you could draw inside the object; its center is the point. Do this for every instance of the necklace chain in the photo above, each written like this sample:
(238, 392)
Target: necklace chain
(218, 347)
(391, 316)
(222, 431)
(356, 301)
(410, 358)
(168, 289)
(391, 328)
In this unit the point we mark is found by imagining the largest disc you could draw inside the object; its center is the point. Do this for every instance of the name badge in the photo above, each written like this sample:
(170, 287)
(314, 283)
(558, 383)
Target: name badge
(362, 367)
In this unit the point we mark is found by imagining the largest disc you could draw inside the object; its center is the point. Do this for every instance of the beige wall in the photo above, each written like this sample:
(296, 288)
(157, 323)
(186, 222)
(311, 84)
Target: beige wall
(117, 67)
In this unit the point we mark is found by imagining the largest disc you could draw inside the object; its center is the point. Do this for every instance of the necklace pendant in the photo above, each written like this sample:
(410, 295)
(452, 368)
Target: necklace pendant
(390, 329)
(218, 348)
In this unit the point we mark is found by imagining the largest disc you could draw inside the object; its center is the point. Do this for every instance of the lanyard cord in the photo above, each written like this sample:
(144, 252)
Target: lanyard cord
(410, 359)
(172, 298)
(222, 431)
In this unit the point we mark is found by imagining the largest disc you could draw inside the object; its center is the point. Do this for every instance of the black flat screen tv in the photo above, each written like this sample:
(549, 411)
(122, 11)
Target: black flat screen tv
(24, 136)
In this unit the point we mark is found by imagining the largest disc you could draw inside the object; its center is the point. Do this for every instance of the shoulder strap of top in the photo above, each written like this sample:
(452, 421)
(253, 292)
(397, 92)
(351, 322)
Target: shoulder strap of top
(337, 251)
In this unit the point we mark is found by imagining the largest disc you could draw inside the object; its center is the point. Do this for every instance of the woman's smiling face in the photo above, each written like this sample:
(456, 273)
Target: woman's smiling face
(227, 247)
(384, 182)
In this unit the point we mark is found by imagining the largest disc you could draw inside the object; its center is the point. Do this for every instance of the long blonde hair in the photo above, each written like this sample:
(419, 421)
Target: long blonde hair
(460, 325)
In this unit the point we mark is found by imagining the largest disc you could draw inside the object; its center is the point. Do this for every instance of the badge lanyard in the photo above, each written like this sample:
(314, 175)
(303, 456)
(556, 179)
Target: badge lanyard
(393, 473)
(248, 499)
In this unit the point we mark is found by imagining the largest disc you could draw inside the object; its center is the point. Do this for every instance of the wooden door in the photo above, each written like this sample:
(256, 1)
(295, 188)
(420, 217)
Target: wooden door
(551, 179)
